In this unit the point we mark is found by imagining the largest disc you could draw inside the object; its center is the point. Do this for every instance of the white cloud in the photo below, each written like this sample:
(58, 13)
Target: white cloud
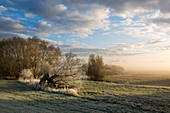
(51, 41)
(58, 36)
(44, 28)
(2, 8)
(140, 30)
(57, 43)
(163, 47)
(60, 43)
(127, 21)
(155, 41)
(29, 15)
(139, 48)
(60, 7)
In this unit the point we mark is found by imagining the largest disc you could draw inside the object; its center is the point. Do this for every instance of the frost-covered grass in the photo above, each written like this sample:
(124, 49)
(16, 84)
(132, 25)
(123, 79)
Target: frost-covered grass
(96, 97)
(141, 97)
(29, 81)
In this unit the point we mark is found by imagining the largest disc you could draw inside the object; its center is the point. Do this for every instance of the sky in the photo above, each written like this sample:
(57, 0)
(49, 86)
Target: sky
(134, 34)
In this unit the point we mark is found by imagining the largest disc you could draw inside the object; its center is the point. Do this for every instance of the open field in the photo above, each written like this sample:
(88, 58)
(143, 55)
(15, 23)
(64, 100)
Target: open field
(96, 97)
(142, 78)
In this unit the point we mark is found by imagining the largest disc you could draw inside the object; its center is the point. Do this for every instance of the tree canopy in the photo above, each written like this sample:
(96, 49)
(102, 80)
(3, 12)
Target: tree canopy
(17, 54)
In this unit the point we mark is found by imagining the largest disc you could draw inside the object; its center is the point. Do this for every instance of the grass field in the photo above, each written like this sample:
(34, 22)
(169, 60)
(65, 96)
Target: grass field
(141, 78)
(142, 98)
(97, 97)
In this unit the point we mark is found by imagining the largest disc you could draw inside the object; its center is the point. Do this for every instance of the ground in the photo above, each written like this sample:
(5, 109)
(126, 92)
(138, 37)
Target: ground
(96, 97)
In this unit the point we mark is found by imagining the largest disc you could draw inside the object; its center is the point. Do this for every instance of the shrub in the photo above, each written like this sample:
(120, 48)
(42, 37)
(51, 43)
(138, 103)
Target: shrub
(26, 74)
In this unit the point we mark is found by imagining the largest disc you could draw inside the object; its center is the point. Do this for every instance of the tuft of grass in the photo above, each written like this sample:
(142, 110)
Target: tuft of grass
(73, 92)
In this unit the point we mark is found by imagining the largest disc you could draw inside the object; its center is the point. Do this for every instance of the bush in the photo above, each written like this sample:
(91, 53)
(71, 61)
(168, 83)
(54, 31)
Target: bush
(26, 74)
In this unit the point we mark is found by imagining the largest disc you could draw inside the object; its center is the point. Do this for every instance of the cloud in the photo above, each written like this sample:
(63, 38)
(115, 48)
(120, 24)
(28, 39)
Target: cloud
(82, 17)
(142, 27)
(8, 24)
(2, 8)
(155, 41)
(139, 48)
(12, 9)
(44, 28)
(120, 50)
(58, 36)
(88, 51)
(60, 7)
(56, 43)
(158, 61)
(60, 43)
(162, 21)
(163, 48)
(29, 15)
(141, 31)
(80, 20)
(82, 49)
(4, 34)
(52, 41)
(131, 8)
(120, 47)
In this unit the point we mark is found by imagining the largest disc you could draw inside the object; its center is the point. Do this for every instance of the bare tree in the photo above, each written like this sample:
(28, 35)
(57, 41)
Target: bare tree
(67, 68)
